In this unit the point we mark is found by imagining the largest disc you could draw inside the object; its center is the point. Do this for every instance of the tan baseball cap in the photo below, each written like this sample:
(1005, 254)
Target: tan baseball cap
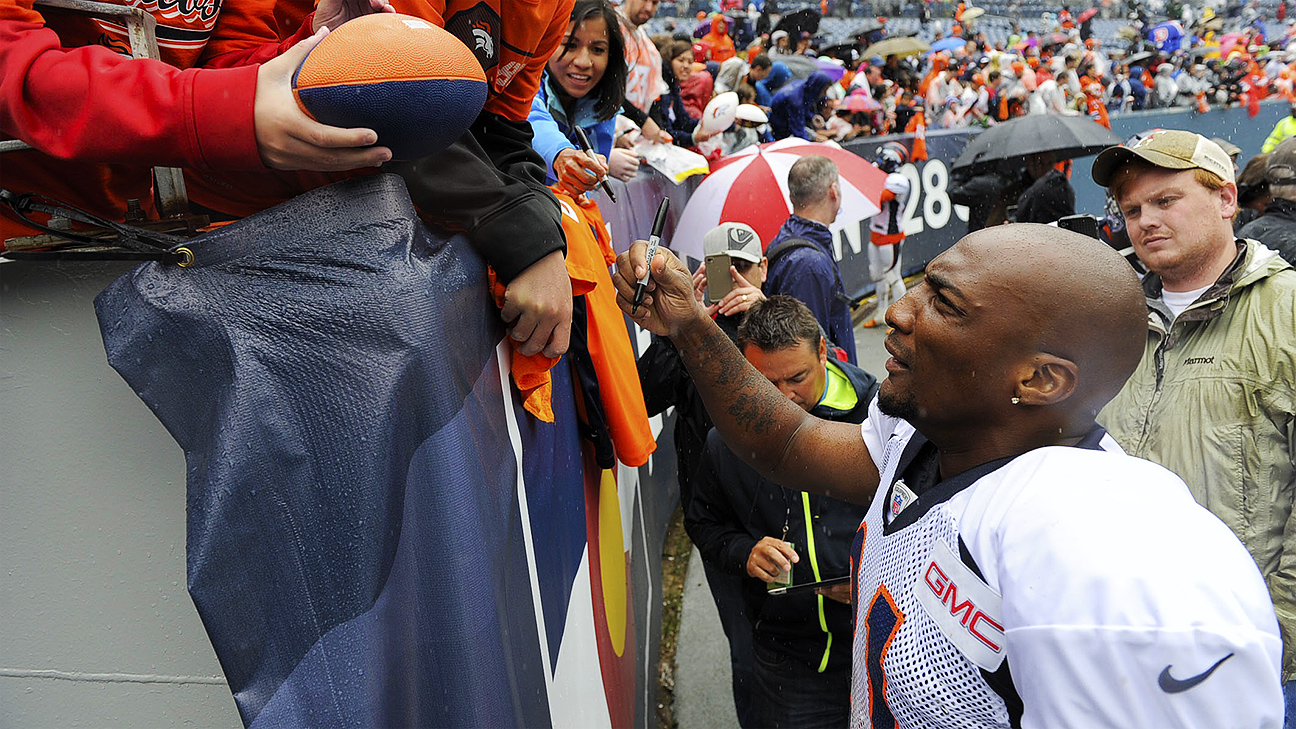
(738, 240)
(1172, 149)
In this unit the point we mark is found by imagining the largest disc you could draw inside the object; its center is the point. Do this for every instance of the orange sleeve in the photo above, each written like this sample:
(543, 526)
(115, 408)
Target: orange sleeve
(514, 102)
(433, 11)
(242, 25)
(20, 10)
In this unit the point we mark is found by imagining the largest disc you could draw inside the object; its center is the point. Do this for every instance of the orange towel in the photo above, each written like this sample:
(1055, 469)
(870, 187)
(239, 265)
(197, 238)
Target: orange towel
(531, 372)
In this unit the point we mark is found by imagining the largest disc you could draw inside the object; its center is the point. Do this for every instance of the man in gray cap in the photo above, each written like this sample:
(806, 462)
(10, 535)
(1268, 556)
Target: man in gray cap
(662, 376)
(1276, 228)
(790, 653)
(1214, 396)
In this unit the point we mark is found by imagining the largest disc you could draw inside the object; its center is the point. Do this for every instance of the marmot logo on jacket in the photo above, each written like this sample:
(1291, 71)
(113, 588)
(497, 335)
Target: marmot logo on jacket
(1199, 360)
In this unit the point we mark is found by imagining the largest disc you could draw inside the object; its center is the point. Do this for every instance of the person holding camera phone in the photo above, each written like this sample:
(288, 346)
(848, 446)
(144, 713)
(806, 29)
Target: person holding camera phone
(734, 250)
(729, 280)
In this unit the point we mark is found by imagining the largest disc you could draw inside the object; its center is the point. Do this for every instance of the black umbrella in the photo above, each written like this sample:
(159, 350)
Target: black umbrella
(869, 26)
(1065, 136)
(848, 52)
(1139, 58)
(802, 21)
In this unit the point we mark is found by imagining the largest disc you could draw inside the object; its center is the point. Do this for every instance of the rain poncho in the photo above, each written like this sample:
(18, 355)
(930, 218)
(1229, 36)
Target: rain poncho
(768, 86)
(717, 43)
(794, 107)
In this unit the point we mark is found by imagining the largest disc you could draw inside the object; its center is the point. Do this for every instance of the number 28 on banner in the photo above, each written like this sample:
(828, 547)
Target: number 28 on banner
(929, 190)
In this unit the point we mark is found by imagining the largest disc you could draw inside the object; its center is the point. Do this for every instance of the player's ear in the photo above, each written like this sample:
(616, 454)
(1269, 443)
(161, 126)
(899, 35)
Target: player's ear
(1047, 380)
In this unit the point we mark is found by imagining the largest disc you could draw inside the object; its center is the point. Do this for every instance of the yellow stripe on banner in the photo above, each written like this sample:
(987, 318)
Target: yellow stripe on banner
(814, 566)
(612, 560)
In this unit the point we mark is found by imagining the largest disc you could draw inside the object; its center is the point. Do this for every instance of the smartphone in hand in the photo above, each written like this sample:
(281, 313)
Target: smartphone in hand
(719, 281)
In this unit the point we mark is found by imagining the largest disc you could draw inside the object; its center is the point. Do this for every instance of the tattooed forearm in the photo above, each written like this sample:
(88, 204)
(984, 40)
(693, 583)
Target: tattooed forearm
(749, 412)
(713, 352)
(754, 414)
(766, 429)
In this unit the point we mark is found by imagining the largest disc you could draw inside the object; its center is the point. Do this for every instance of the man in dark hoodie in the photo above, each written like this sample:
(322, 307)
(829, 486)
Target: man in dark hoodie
(793, 109)
(801, 262)
(790, 653)
(1276, 228)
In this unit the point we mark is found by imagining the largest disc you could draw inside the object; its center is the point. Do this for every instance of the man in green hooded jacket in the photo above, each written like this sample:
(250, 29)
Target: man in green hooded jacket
(1214, 396)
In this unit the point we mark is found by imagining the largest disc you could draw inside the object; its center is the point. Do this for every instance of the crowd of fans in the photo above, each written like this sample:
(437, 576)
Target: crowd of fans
(810, 87)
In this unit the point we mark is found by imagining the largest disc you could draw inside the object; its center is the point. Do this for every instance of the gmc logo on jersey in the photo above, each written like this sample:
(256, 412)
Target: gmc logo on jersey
(973, 620)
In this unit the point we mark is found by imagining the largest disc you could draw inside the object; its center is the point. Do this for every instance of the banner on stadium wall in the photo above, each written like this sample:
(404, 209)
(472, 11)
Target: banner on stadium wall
(378, 533)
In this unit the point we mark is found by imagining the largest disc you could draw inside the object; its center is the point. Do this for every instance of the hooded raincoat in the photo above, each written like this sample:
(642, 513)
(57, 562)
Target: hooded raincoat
(1214, 400)
(794, 107)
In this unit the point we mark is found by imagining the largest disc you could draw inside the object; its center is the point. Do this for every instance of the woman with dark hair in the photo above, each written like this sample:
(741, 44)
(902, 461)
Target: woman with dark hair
(669, 111)
(583, 86)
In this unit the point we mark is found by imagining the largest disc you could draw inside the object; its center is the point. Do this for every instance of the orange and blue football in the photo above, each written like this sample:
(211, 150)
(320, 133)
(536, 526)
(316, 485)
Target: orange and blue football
(415, 84)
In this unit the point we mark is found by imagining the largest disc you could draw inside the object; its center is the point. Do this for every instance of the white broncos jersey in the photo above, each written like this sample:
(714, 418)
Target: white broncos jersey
(890, 219)
(1065, 587)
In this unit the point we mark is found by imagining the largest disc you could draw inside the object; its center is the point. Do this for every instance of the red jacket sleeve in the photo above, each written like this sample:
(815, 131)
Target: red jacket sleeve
(91, 104)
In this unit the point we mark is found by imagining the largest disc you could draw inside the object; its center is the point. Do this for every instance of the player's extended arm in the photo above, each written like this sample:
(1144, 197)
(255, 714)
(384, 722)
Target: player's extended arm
(781, 441)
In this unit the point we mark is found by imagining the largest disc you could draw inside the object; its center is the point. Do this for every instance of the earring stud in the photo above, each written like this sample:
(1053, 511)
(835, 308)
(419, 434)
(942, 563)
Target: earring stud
(1016, 401)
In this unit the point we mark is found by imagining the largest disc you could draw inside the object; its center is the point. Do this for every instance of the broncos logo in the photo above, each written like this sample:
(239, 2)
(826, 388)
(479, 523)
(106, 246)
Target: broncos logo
(482, 36)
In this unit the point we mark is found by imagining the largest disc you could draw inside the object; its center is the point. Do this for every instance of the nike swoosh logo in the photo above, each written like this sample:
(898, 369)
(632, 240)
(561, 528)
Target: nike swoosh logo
(1172, 685)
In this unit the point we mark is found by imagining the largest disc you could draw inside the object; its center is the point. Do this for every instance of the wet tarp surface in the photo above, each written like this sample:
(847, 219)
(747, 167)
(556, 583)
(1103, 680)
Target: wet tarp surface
(355, 547)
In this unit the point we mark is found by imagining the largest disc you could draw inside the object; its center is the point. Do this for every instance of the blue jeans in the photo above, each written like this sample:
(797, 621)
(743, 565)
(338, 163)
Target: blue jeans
(1289, 701)
(727, 590)
(792, 695)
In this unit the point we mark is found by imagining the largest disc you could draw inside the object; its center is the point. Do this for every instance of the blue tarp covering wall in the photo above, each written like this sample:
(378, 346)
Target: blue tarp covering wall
(378, 533)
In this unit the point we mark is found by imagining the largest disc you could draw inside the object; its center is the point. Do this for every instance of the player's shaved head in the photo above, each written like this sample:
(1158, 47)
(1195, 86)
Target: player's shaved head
(1074, 297)
(1019, 331)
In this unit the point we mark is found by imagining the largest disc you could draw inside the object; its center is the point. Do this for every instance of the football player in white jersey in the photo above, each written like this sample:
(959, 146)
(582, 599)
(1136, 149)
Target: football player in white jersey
(886, 231)
(1015, 569)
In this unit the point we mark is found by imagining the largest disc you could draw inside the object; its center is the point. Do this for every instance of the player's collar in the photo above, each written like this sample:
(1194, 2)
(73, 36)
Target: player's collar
(950, 487)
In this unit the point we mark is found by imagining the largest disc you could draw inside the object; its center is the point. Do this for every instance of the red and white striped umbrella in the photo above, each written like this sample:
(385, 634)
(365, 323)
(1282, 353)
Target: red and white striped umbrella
(750, 187)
